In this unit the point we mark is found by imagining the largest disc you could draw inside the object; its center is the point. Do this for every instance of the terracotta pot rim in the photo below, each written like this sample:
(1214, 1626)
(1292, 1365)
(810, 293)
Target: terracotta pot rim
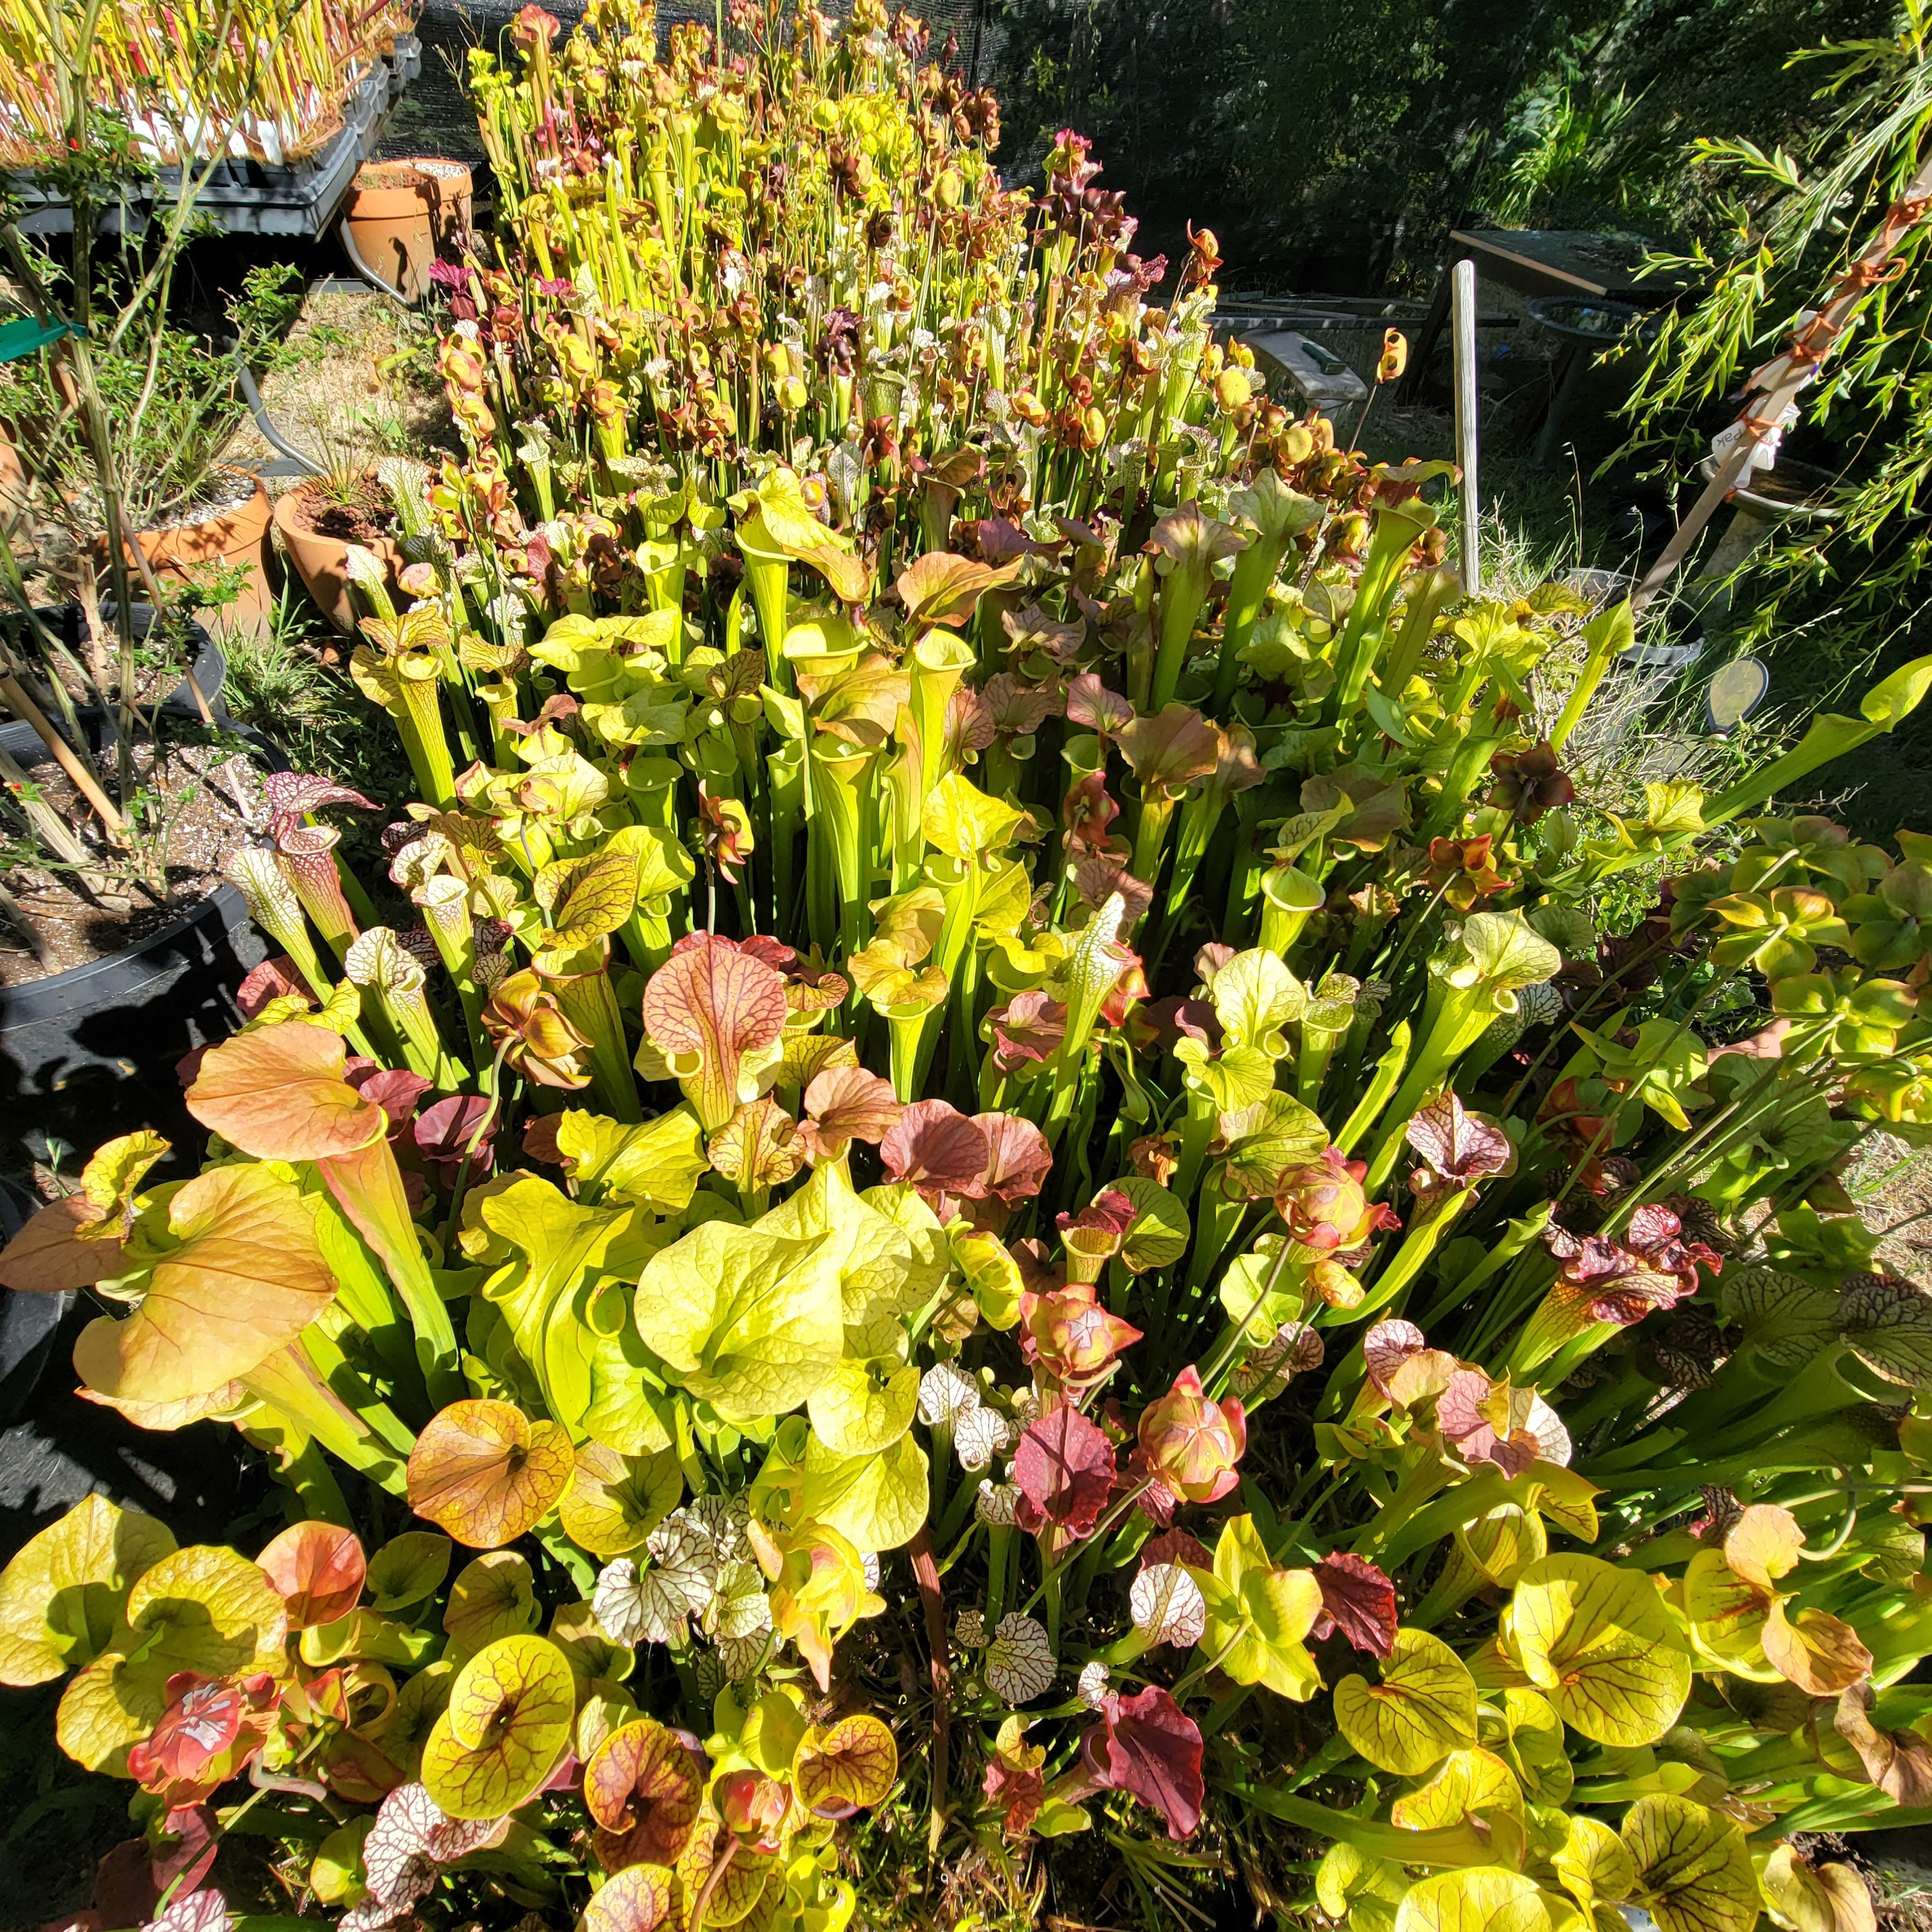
(419, 187)
(437, 167)
(321, 562)
(380, 210)
(245, 510)
(284, 512)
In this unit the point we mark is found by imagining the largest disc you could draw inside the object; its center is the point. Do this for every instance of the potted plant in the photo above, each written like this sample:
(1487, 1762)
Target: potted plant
(349, 507)
(263, 85)
(118, 813)
(402, 213)
(198, 524)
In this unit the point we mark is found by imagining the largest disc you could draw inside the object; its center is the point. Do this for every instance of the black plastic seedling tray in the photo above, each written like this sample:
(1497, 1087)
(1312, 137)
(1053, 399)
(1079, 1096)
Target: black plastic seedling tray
(245, 196)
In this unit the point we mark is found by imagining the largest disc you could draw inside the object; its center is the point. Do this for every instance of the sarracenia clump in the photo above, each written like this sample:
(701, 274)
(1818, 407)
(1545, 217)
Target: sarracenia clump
(1006, 1156)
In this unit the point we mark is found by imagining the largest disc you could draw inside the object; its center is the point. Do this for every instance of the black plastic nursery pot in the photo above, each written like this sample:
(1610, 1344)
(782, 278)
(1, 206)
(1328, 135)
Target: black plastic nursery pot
(208, 665)
(56, 1448)
(209, 668)
(405, 62)
(90, 1053)
(84, 1055)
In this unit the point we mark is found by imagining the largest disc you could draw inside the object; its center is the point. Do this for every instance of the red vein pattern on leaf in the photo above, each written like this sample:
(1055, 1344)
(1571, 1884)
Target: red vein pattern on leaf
(1358, 1600)
(1064, 1469)
(715, 999)
(317, 1570)
(1092, 706)
(1622, 1281)
(1147, 1746)
(1458, 1148)
(1027, 1031)
(1018, 1158)
(203, 1911)
(292, 796)
(1111, 1213)
(1388, 1346)
(411, 1836)
(937, 1148)
(844, 1104)
(1017, 1789)
(1478, 1416)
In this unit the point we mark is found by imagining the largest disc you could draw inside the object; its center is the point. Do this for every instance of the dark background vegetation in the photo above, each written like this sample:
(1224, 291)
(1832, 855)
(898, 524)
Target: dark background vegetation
(1332, 147)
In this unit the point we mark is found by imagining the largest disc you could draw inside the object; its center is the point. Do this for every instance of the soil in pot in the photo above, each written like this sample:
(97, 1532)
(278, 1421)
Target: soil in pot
(225, 491)
(192, 820)
(400, 212)
(355, 511)
(163, 658)
(452, 190)
(318, 520)
(159, 669)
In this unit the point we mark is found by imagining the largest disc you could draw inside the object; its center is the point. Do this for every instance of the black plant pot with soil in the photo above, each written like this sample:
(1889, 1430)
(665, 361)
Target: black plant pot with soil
(90, 1052)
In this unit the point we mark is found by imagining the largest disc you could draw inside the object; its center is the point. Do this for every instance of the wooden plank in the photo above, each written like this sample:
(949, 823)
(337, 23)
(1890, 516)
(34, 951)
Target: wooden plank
(1560, 280)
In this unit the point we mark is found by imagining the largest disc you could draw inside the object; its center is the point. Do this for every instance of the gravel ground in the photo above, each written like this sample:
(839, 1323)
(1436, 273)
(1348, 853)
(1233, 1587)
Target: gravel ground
(361, 384)
(1900, 1205)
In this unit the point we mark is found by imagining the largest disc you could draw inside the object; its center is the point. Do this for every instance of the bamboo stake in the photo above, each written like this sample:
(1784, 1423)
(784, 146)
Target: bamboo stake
(1463, 301)
(19, 914)
(22, 706)
(1783, 380)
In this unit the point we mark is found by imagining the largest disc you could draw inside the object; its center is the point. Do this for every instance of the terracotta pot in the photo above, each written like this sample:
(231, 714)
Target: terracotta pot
(400, 213)
(12, 478)
(184, 551)
(322, 562)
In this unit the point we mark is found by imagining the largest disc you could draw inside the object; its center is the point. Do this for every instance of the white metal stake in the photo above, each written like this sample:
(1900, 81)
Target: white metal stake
(1463, 312)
